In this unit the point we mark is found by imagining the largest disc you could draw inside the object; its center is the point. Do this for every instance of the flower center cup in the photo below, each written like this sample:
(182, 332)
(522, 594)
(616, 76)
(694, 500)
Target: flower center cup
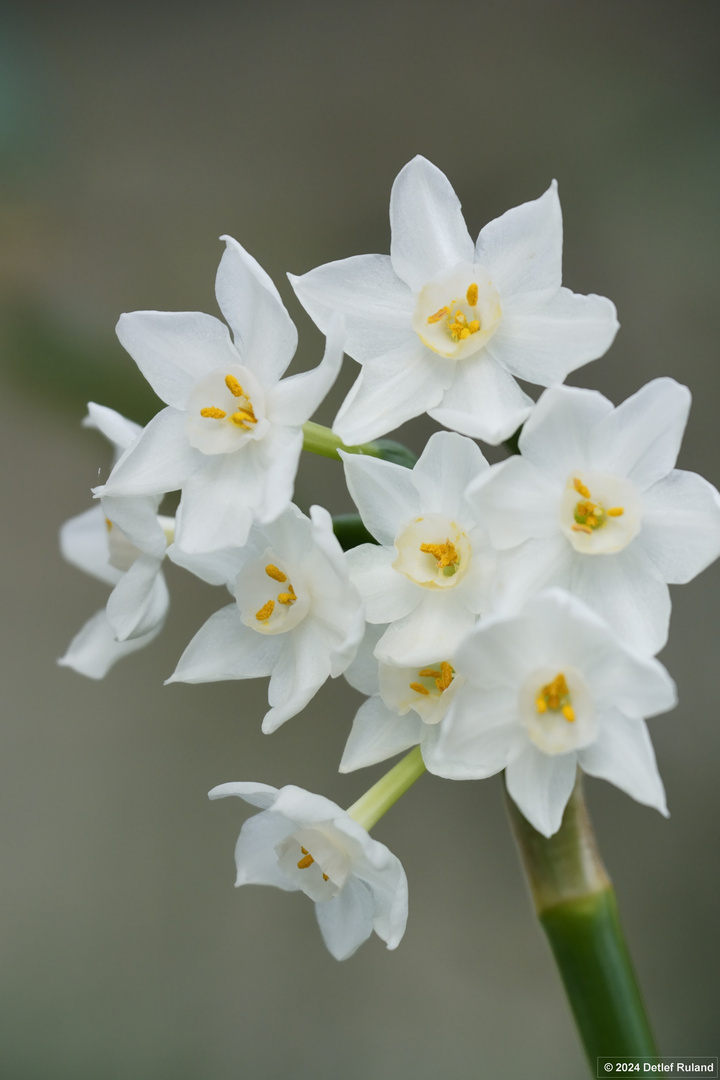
(225, 410)
(458, 312)
(315, 861)
(427, 690)
(557, 711)
(266, 595)
(599, 514)
(433, 552)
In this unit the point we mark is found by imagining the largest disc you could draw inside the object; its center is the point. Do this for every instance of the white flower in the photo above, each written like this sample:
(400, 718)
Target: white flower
(547, 690)
(295, 617)
(444, 326)
(231, 435)
(305, 842)
(129, 558)
(594, 505)
(431, 572)
(405, 707)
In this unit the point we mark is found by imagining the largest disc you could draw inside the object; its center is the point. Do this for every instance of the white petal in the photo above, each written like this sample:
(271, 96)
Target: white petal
(278, 455)
(265, 335)
(500, 652)
(215, 567)
(476, 737)
(637, 685)
(523, 248)
(541, 785)
(84, 543)
(94, 650)
(301, 668)
(115, 427)
(623, 754)
(255, 855)
(387, 594)
(391, 389)
(545, 340)
(377, 734)
(226, 649)
(363, 674)
(173, 349)
(515, 502)
(641, 438)
(307, 808)
(443, 471)
(137, 518)
(435, 627)
(534, 565)
(292, 401)
(429, 233)
(385, 495)
(681, 525)
(139, 602)
(346, 920)
(160, 460)
(262, 795)
(216, 509)
(559, 434)
(384, 875)
(377, 306)
(484, 401)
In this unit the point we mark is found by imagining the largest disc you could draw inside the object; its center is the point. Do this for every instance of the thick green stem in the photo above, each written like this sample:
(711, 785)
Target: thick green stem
(371, 806)
(321, 440)
(575, 903)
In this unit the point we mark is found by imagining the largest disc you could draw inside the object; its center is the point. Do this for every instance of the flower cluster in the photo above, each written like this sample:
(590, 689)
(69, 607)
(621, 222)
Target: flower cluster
(504, 617)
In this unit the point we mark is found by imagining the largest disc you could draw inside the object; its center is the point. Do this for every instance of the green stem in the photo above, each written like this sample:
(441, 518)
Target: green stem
(575, 903)
(321, 440)
(371, 806)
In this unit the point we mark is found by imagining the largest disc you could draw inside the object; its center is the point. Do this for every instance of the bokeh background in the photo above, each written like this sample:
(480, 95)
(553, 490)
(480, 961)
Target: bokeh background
(131, 136)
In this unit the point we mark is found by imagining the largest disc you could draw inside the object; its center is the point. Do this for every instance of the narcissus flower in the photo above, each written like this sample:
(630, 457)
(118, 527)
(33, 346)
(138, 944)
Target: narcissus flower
(405, 705)
(305, 842)
(231, 435)
(547, 690)
(444, 326)
(431, 573)
(594, 505)
(296, 616)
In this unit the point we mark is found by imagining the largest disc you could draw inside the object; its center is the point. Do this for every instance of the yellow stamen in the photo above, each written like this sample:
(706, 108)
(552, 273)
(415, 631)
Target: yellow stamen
(541, 705)
(307, 859)
(568, 712)
(439, 315)
(287, 597)
(211, 413)
(581, 528)
(234, 386)
(580, 488)
(445, 554)
(243, 417)
(273, 572)
(556, 697)
(615, 511)
(429, 673)
(474, 326)
(447, 676)
(265, 611)
(108, 524)
(419, 688)
(472, 295)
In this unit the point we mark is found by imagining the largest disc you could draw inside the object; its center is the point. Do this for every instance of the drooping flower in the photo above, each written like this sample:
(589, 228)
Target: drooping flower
(295, 617)
(231, 435)
(594, 505)
(125, 552)
(405, 705)
(548, 690)
(304, 842)
(431, 573)
(444, 326)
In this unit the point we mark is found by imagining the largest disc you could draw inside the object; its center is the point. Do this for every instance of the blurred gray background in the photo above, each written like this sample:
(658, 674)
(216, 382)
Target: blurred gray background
(131, 137)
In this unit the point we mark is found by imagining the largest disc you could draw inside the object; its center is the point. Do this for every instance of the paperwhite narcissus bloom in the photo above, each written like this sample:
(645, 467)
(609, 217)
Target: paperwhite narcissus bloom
(431, 573)
(296, 616)
(547, 690)
(405, 705)
(444, 326)
(305, 842)
(231, 435)
(127, 558)
(594, 505)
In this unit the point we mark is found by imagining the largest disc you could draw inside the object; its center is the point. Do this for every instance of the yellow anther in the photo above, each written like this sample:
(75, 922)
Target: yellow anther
(556, 697)
(541, 705)
(474, 326)
(472, 295)
(581, 528)
(234, 386)
(429, 673)
(307, 859)
(108, 524)
(287, 597)
(615, 511)
(580, 488)
(419, 688)
(211, 413)
(265, 611)
(276, 574)
(439, 315)
(445, 554)
(569, 713)
(447, 676)
(243, 417)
